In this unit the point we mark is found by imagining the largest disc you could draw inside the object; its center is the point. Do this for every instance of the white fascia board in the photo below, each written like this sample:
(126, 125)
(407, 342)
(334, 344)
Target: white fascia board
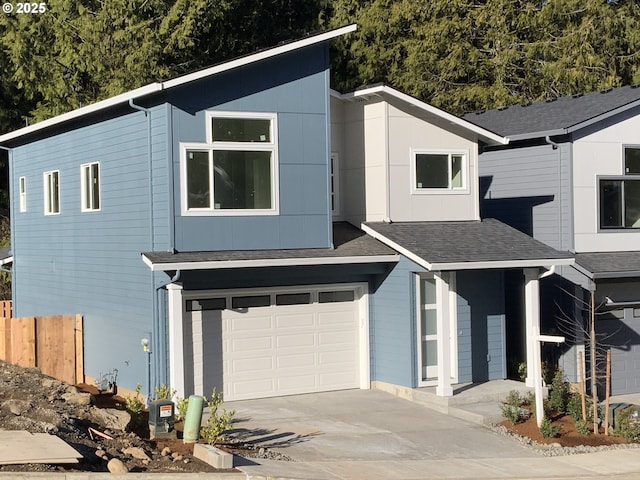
(485, 134)
(6, 261)
(158, 86)
(541, 134)
(256, 57)
(94, 107)
(547, 263)
(397, 247)
(583, 270)
(268, 262)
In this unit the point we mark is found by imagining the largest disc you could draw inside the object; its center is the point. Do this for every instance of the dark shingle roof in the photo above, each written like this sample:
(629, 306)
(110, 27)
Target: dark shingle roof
(467, 242)
(348, 240)
(555, 117)
(610, 264)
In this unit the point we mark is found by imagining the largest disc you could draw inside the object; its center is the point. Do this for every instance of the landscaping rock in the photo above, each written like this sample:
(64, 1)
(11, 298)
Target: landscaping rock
(110, 418)
(116, 466)
(78, 398)
(166, 451)
(136, 452)
(17, 407)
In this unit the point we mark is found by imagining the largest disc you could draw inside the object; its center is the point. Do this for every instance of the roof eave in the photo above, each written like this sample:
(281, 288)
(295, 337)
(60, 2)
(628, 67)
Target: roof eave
(493, 264)
(485, 135)
(159, 86)
(266, 262)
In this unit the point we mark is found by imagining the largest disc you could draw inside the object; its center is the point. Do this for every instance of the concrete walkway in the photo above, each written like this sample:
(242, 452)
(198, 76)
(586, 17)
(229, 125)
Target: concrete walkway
(371, 434)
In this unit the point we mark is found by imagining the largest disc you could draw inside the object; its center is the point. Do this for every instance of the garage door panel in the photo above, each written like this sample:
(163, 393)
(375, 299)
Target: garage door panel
(243, 322)
(254, 364)
(327, 380)
(341, 338)
(293, 383)
(333, 318)
(297, 340)
(293, 361)
(251, 344)
(284, 321)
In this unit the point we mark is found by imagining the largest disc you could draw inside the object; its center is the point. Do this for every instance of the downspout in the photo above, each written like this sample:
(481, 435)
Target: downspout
(154, 340)
(555, 146)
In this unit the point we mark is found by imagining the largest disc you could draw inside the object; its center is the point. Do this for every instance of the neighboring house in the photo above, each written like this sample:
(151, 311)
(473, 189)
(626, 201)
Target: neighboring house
(570, 177)
(267, 235)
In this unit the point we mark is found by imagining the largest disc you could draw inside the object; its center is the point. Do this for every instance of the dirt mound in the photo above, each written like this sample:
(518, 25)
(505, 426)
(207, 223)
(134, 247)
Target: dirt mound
(36, 403)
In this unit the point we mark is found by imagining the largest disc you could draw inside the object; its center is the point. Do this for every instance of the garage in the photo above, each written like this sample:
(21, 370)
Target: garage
(257, 344)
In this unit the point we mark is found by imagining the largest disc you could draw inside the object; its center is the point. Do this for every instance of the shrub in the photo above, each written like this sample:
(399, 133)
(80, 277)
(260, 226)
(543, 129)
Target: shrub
(583, 427)
(217, 423)
(548, 430)
(164, 392)
(559, 395)
(512, 413)
(181, 408)
(514, 399)
(135, 407)
(512, 407)
(627, 425)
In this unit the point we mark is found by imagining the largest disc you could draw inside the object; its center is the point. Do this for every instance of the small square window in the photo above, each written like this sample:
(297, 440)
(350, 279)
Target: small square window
(293, 299)
(90, 186)
(51, 192)
(619, 203)
(439, 170)
(632, 160)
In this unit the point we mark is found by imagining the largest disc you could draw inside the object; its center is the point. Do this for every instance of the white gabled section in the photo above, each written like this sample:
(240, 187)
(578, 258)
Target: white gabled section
(487, 135)
(159, 86)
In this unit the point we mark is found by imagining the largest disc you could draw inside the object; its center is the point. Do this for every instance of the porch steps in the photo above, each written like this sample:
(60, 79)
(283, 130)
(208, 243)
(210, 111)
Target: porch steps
(477, 403)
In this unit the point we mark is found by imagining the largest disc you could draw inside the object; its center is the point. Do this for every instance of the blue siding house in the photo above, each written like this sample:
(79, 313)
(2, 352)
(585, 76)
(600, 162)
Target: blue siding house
(266, 235)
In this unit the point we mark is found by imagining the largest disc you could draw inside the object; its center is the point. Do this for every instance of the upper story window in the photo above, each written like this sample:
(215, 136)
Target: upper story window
(235, 172)
(437, 171)
(90, 186)
(632, 160)
(23, 194)
(620, 196)
(51, 182)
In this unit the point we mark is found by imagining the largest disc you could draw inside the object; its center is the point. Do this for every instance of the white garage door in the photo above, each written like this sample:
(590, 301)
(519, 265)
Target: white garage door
(284, 343)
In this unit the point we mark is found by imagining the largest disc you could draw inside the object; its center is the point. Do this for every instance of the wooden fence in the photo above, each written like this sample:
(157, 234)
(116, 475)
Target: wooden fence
(53, 344)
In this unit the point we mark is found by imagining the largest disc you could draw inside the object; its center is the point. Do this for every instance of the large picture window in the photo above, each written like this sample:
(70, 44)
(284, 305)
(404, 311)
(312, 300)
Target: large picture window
(439, 170)
(235, 171)
(90, 186)
(51, 182)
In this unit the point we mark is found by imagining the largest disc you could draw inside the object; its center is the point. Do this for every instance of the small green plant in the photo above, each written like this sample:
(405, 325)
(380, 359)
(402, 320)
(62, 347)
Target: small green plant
(218, 423)
(627, 425)
(135, 407)
(559, 395)
(548, 430)
(583, 427)
(164, 392)
(512, 407)
(522, 371)
(514, 399)
(181, 408)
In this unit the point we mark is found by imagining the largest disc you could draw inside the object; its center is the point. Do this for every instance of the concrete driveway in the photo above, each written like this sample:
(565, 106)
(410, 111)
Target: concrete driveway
(371, 434)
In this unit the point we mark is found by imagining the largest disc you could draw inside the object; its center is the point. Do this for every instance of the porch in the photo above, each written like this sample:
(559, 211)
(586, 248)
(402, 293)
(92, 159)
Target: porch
(474, 402)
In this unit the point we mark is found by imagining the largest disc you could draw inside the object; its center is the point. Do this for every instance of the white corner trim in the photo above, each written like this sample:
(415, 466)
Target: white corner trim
(268, 262)
(159, 86)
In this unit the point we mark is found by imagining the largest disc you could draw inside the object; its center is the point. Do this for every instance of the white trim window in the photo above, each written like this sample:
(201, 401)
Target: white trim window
(90, 187)
(23, 193)
(619, 196)
(51, 181)
(438, 171)
(235, 172)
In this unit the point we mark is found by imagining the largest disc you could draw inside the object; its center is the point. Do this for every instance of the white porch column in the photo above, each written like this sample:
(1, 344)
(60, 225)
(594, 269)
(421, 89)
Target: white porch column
(443, 322)
(532, 323)
(176, 338)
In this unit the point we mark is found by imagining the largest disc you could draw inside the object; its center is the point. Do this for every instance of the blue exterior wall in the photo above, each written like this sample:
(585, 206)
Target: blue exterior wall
(392, 321)
(294, 86)
(89, 262)
(481, 306)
